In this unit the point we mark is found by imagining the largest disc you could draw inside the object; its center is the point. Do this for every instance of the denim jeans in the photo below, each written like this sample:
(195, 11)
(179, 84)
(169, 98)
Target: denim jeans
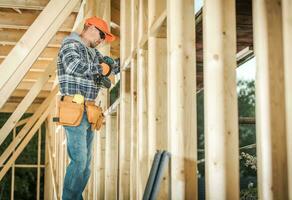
(79, 145)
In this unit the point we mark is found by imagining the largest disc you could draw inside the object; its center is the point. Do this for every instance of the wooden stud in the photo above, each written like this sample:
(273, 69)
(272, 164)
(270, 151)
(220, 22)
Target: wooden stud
(51, 175)
(182, 98)
(29, 48)
(39, 163)
(287, 33)
(220, 103)
(125, 128)
(133, 87)
(270, 101)
(13, 173)
(111, 158)
(142, 102)
(157, 92)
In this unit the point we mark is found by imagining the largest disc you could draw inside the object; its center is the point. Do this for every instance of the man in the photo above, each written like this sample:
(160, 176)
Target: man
(81, 71)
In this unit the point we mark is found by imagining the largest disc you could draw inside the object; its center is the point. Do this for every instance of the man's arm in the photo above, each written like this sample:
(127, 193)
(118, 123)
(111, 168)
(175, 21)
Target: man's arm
(73, 63)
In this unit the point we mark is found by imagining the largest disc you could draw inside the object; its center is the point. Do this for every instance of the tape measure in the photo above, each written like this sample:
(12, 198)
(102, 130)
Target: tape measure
(78, 98)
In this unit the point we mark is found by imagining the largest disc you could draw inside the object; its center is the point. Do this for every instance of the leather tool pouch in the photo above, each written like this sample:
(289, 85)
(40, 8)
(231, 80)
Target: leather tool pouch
(95, 116)
(70, 113)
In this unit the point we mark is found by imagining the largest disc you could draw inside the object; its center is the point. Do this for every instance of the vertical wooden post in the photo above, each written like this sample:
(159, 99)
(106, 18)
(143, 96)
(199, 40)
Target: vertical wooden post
(48, 188)
(13, 172)
(157, 91)
(221, 118)
(287, 29)
(134, 143)
(270, 101)
(182, 98)
(39, 163)
(125, 108)
(111, 158)
(142, 95)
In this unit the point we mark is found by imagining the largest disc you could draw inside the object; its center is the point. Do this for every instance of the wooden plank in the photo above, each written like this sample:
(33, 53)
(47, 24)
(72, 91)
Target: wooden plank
(270, 102)
(158, 24)
(10, 108)
(27, 127)
(142, 101)
(28, 84)
(26, 102)
(50, 181)
(39, 163)
(113, 109)
(287, 33)
(50, 52)
(13, 173)
(133, 120)
(25, 141)
(221, 112)
(31, 75)
(111, 158)
(157, 92)
(182, 126)
(12, 36)
(125, 128)
(12, 20)
(30, 5)
(23, 55)
(22, 93)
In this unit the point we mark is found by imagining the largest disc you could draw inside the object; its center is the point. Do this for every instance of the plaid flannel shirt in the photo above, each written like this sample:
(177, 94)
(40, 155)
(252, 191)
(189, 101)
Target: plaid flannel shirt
(78, 67)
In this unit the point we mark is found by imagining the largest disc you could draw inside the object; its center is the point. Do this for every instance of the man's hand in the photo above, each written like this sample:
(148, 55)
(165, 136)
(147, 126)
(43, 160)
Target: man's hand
(106, 69)
(113, 63)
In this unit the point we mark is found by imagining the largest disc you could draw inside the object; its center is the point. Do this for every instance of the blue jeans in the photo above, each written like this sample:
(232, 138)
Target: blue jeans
(79, 145)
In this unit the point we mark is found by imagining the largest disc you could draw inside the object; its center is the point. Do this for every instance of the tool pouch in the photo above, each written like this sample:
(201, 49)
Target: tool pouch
(94, 116)
(70, 113)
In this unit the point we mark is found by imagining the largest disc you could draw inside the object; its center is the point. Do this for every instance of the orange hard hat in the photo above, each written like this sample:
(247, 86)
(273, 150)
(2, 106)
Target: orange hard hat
(102, 25)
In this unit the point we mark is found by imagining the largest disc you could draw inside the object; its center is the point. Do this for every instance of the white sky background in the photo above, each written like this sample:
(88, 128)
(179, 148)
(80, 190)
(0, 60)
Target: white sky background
(247, 71)
(198, 5)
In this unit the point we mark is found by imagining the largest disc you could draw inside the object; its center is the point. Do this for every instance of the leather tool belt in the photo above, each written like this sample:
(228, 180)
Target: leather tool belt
(71, 113)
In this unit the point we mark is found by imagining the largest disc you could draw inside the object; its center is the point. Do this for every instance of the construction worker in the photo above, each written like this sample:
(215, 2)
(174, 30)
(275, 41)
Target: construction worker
(81, 73)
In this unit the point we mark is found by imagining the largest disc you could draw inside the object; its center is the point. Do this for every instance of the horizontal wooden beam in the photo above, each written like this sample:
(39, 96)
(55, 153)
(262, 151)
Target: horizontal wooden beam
(31, 75)
(22, 93)
(26, 166)
(11, 19)
(28, 4)
(38, 66)
(12, 36)
(49, 52)
(27, 85)
(10, 108)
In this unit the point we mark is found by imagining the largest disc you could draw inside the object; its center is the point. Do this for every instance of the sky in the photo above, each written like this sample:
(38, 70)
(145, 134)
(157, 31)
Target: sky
(247, 71)
(198, 5)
